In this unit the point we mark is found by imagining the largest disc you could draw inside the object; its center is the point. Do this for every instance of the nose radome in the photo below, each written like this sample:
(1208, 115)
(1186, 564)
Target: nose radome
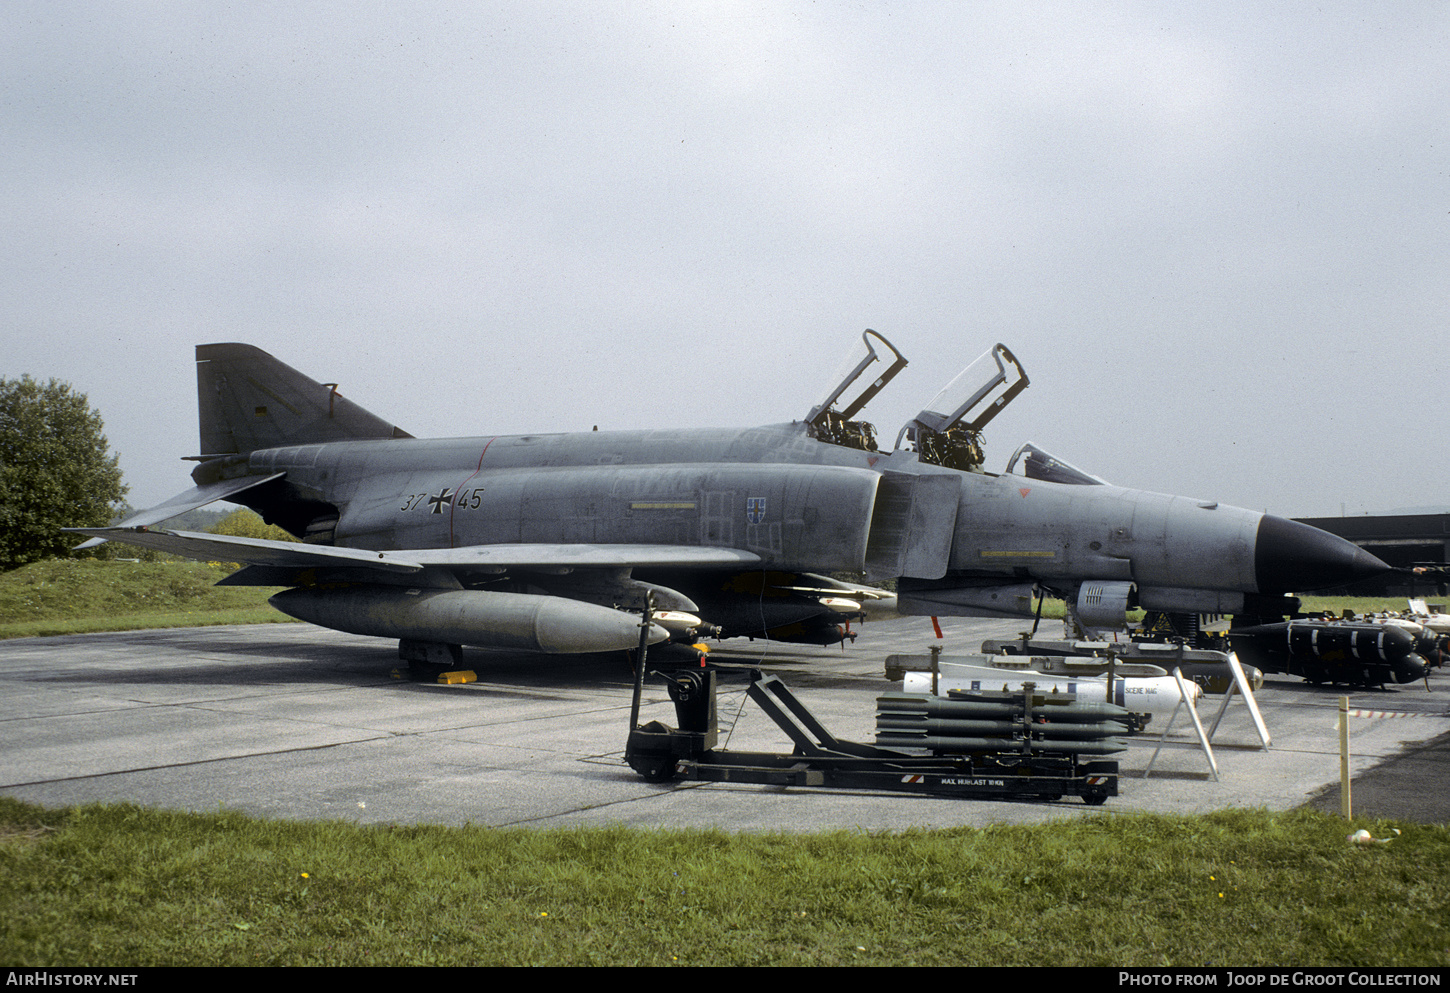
(1292, 557)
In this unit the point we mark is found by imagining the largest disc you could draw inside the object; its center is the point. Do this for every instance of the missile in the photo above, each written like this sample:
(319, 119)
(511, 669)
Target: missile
(815, 631)
(1433, 647)
(1331, 639)
(1139, 694)
(993, 722)
(952, 743)
(487, 619)
(871, 602)
(1332, 651)
(987, 705)
(1439, 623)
(1143, 658)
(1085, 730)
(677, 622)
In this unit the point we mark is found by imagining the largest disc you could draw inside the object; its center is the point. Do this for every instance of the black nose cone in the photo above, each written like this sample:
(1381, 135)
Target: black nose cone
(1291, 557)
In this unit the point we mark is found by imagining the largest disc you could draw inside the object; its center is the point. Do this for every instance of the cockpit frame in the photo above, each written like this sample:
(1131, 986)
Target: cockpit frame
(826, 423)
(943, 434)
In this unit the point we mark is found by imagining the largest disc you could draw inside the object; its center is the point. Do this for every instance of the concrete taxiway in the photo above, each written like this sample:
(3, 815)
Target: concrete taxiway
(292, 721)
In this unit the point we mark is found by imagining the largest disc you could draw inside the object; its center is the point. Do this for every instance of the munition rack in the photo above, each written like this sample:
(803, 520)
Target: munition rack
(1016, 758)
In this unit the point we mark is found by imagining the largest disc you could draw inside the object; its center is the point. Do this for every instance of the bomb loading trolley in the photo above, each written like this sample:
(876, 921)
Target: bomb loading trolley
(1015, 759)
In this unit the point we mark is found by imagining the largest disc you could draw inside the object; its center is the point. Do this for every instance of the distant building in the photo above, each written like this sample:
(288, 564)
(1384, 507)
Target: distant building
(1404, 541)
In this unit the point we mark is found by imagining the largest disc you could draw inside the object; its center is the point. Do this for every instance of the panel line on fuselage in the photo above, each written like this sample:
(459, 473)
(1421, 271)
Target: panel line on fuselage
(453, 508)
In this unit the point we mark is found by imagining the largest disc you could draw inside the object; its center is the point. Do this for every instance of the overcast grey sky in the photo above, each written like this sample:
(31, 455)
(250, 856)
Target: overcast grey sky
(1215, 235)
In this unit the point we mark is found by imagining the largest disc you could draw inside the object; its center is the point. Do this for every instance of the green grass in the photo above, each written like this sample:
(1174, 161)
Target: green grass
(69, 596)
(1360, 605)
(122, 885)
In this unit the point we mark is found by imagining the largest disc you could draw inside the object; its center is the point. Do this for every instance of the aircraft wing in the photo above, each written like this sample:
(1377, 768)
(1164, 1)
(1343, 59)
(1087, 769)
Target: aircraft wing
(254, 551)
(586, 556)
(549, 557)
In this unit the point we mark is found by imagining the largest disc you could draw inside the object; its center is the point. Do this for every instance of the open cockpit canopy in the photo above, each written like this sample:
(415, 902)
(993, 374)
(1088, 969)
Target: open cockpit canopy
(948, 431)
(866, 370)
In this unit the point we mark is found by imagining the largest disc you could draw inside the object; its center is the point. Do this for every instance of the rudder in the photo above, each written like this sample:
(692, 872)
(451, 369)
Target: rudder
(248, 400)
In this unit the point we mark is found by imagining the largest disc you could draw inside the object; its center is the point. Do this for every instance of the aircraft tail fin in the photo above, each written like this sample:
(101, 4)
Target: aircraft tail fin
(249, 400)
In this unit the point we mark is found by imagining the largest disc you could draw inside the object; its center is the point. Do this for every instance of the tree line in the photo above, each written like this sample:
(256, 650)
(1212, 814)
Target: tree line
(57, 471)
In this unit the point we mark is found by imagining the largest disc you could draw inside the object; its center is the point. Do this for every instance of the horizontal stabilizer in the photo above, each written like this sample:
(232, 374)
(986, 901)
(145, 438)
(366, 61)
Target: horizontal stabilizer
(197, 496)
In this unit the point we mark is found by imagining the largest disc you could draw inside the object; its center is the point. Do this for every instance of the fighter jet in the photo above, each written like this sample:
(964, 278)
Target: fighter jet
(551, 542)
